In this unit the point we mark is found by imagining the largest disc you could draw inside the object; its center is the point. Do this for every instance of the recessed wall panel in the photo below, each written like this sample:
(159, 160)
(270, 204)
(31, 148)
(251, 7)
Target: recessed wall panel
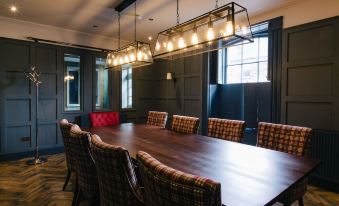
(16, 84)
(192, 87)
(18, 138)
(48, 109)
(160, 105)
(192, 108)
(175, 89)
(16, 57)
(174, 106)
(47, 134)
(193, 64)
(160, 88)
(145, 88)
(313, 115)
(18, 110)
(311, 44)
(46, 59)
(311, 80)
(49, 85)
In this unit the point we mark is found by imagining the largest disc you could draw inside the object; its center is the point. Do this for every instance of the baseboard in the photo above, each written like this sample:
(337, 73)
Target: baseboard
(16, 156)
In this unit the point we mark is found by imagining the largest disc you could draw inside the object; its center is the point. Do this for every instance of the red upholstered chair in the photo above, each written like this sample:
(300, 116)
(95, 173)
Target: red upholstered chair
(100, 119)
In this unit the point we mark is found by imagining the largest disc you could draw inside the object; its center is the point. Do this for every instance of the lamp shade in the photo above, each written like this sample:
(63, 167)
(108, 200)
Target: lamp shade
(214, 30)
(169, 76)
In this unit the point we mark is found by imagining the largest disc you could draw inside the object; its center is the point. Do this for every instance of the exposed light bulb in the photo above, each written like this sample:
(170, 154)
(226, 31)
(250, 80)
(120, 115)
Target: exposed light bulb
(157, 46)
(181, 43)
(195, 39)
(229, 28)
(210, 34)
(164, 44)
(109, 61)
(115, 62)
(169, 46)
(139, 55)
(244, 29)
(145, 56)
(132, 57)
(126, 59)
(121, 60)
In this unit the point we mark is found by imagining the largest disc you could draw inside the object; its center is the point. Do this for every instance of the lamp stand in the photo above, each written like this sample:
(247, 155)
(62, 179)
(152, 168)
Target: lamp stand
(37, 159)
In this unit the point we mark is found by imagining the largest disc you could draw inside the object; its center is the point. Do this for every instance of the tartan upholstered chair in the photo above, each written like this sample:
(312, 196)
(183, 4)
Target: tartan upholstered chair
(118, 183)
(184, 124)
(65, 128)
(164, 186)
(157, 118)
(100, 119)
(290, 139)
(87, 181)
(226, 129)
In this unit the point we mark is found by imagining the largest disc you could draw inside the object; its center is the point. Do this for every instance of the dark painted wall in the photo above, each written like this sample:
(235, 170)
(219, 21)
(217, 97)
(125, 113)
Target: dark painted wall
(310, 75)
(17, 103)
(183, 96)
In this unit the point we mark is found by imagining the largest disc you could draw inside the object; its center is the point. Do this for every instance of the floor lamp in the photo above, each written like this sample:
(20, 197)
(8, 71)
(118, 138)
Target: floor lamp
(34, 77)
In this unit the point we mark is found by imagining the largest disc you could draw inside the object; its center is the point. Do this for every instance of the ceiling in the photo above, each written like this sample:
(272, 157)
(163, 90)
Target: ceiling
(80, 15)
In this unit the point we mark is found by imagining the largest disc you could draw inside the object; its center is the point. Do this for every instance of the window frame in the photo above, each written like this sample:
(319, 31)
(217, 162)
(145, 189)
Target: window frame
(127, 67)
(64, 85)
(258, 32)
(96, 90)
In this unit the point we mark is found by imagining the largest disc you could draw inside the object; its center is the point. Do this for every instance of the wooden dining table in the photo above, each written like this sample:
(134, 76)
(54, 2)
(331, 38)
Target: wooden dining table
(249, 175)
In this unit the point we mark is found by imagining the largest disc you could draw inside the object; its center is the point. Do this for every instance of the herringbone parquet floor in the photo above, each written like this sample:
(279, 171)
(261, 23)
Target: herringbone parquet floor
(23, 185)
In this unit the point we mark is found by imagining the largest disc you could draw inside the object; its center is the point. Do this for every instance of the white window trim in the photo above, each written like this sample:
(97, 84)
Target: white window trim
(67, 87)
(129, 94)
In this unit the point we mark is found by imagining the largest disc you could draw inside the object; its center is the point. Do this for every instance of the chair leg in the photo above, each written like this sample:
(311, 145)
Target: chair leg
(75, 195)
(67, 179)
(79, 197)
(301, 201)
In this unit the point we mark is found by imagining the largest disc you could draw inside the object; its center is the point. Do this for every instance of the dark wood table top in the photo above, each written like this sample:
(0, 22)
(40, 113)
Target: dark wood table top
(248, 175)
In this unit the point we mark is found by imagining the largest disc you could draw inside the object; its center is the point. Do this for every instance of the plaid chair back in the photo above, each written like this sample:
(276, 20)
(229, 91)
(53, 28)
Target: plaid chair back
(65, 128)
(284, 138)
(157, 118)
(185, 124)
(117, 180)
(231, 130)
(86, 173)
(165, 186)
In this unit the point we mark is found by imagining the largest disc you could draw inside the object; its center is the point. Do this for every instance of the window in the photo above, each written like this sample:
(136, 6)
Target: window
(126, 87)
(102, 85)
(72, 82)
(245, 62)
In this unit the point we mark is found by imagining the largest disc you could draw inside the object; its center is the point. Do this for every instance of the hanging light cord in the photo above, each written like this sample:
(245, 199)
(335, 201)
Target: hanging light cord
(216, 4)
(135, 21)
(119, 30)
(178, 17)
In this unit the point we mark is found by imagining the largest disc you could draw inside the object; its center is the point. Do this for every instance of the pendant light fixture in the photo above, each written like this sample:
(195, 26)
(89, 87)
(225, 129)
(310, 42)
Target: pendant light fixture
(136, 54)
(217, 29)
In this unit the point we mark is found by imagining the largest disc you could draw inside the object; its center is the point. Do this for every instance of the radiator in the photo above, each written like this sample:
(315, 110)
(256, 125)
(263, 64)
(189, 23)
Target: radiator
(325, 147)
